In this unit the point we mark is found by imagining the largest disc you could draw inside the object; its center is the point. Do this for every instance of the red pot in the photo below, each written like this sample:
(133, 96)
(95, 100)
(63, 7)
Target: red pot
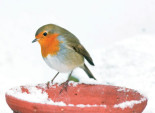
(82, 98)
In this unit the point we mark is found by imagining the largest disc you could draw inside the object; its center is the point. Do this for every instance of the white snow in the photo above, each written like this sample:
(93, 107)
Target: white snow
(129, 104)
(119, 36)
(123, 89)
(36, 95)
(128, 63)
(82, 105)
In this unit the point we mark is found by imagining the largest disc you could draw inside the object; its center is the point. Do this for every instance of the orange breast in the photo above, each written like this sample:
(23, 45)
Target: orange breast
(49, 45)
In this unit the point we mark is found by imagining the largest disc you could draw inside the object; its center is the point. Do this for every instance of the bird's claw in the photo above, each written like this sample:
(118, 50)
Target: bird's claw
(52, 81)
(64, 86)
(48, 84)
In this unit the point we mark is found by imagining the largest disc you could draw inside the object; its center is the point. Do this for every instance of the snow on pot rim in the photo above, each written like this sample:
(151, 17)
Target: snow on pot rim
(81, 98)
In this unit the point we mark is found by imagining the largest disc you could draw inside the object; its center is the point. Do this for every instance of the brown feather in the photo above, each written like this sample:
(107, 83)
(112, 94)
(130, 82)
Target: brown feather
(81, 50)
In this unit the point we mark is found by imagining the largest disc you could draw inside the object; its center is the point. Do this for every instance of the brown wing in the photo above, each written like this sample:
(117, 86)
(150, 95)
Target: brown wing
(81, 50)
(74, 43)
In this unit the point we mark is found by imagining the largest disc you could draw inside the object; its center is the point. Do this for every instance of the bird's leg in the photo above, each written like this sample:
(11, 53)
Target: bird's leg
(52, 80)
(54, 77)
(65, 84)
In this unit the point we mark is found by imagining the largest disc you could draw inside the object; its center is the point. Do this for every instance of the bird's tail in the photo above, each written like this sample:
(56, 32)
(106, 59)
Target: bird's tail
(85, 68)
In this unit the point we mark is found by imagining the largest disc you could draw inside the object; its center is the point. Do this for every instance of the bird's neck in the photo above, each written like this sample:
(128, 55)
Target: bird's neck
(49, 45)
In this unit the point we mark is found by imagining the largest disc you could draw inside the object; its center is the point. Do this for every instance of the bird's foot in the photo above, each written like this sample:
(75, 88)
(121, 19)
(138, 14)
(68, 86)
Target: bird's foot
(64, 86)
(48, 84)
(52, 81)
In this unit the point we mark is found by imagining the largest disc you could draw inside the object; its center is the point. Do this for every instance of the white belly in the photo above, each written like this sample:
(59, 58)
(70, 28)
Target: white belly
(55, 63)
(60, 64)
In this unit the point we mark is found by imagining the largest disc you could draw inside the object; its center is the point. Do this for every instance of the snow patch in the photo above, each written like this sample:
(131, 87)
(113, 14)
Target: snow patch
(88, 105)
(36, 95)
(129, 104)
(123, 89)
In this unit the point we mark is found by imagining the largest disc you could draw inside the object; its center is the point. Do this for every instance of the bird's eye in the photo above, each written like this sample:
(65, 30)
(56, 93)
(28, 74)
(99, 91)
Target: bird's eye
(45, 33)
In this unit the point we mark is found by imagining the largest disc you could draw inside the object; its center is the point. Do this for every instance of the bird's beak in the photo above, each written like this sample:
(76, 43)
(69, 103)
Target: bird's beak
(34, 40)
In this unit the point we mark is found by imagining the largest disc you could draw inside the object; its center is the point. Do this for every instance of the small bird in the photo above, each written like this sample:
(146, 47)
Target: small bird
(62, 51)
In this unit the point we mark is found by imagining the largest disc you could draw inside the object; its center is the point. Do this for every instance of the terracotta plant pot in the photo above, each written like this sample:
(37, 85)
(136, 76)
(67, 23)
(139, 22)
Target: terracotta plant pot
(81, 98)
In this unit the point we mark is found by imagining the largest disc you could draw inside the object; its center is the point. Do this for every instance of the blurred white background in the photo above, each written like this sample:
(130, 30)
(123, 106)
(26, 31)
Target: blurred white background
(99, 24)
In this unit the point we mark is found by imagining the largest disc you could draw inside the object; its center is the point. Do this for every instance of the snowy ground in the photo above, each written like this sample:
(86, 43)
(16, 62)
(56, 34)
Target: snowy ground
(129, 63)
(119, 35)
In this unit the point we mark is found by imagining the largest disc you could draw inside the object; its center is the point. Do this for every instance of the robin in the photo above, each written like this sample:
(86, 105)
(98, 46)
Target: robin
(62, 51)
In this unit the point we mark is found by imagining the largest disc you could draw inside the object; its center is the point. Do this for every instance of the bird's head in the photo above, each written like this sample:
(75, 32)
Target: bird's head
(47, 38)
(45, 33)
